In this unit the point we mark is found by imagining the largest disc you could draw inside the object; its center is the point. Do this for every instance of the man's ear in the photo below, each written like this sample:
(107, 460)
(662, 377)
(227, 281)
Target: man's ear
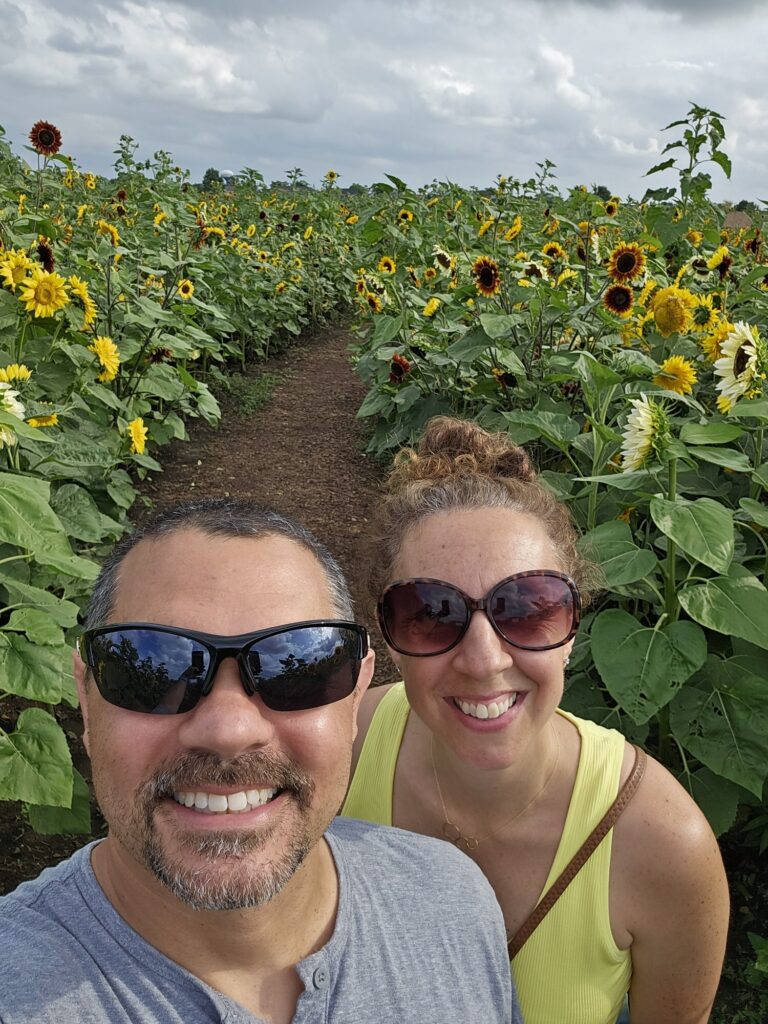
(79, 671)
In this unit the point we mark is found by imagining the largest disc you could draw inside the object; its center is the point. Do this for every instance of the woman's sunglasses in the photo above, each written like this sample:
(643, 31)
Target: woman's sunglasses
(160, 670)
(536, 611)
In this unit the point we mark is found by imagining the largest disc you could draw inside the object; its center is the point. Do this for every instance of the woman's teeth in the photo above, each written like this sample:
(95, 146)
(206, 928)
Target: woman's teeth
(492, 710)
(231, 803)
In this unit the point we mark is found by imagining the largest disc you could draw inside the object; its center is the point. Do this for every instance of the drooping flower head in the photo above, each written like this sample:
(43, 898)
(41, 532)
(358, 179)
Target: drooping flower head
(672, 308)
(676, 374)
(45, 255)
(514, 229)
(15, 372)
(43, 293)
(138, 434)
(398, 368)
(626, 262)
(645, 435)
(45, 138)
(431, 308)
(487, 276)
(742, 367)
(108, 356)
(79, 289)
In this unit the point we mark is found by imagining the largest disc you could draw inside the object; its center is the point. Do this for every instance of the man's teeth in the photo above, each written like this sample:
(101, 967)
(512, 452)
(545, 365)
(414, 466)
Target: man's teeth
(231, 803)
(492, 710)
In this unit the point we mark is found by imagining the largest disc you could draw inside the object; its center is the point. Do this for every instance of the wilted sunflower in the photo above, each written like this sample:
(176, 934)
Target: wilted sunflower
(108, 356)
(554, 251)
(398, 368)
(626, 262)
(618, 299)
(487, 277)
(45, 255)
(45, 138)
(514, 229)
(43, 293)
(185, 289)
(138, 435)
(80, 289)
(672, 308)
(386, 265)
(676, 374)
(742, 366)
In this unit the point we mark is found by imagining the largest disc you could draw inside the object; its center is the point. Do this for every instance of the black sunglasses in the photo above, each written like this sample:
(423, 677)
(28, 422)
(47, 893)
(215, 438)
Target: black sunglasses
(161, 670)
(536, 611)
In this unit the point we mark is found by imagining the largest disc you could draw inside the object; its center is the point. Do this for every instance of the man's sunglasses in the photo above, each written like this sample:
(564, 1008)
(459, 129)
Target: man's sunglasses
(160, 670)
(536, 611)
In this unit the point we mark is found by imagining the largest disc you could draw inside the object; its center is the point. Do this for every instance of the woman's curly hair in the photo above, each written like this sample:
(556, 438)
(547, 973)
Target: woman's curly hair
(457, 465)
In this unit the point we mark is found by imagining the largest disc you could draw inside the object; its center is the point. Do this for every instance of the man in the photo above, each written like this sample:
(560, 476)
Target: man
(219, 676)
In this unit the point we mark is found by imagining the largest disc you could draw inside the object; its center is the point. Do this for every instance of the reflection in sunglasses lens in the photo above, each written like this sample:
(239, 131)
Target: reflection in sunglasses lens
(534, 611)
(305, 668)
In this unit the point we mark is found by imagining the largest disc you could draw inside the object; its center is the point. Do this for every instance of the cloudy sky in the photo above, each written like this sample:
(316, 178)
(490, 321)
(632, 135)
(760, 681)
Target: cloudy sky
(422, 89)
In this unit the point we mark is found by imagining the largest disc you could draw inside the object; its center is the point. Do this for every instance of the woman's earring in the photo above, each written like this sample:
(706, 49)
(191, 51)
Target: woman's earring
(566, 660)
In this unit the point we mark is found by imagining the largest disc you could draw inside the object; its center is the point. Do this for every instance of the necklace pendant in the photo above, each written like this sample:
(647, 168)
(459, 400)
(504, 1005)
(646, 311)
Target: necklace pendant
(452, 833)
(469, 843)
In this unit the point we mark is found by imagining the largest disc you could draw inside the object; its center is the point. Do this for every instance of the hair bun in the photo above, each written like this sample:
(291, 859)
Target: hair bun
(450, 446)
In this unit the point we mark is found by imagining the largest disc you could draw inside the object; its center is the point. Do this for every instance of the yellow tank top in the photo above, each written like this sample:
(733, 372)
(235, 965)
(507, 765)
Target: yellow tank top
(570, 971)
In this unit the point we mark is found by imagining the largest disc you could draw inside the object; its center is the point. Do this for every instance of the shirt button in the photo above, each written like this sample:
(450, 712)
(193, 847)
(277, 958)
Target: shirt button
(320, 978)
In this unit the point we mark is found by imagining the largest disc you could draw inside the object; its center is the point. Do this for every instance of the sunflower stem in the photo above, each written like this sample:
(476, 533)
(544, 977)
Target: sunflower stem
(670, 591)
(755, 486)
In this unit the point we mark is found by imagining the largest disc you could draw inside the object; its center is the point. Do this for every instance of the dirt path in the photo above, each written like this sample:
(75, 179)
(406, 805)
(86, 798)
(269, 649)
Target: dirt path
(301, 453)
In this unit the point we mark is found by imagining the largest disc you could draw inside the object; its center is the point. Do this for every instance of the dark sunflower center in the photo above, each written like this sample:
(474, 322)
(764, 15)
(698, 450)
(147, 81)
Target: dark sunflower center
(46, 137)
(486, 277)
(741, 361)
(621, 298)
(626, 263)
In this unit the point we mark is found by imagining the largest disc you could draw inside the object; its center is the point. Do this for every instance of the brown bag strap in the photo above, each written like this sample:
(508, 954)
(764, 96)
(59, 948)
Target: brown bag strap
(581, 856)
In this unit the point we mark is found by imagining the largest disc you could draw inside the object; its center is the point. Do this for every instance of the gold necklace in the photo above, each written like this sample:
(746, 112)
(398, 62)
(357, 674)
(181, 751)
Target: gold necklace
(451, 830)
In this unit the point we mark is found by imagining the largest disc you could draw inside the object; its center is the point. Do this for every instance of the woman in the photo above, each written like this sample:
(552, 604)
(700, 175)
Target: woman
(478, 577)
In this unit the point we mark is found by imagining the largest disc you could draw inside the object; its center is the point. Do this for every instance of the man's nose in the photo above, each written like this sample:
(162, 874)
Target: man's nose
(227, 720)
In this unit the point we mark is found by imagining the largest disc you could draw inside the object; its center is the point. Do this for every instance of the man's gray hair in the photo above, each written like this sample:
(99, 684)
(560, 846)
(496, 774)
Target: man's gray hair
(216, 517)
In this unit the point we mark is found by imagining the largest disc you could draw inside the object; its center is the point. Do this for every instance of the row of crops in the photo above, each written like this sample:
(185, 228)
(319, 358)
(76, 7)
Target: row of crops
(621, 341)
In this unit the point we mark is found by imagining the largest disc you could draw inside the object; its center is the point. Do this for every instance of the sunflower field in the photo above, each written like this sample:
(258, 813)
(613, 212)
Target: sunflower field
(624, 344)
(121, 302)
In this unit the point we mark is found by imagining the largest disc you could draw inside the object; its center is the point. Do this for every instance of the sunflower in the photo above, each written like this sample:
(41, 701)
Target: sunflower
(431, 308)
(742, 365)
(45, 255)
(352, 219)
(90, 182)
(42, 293)
(219, 232)
(109, 357)
(51, 419)
(9, 403)
(14, 265)
(308, 233)
(185, 289)
(443, 259)
(103, 227)
(712, 344)
(45, 138)
(80, 289)
(159, 217)
(514, 229)
(330, 176)
(386, 265)
(618, 299)
(717, 257)
(672, 308)
(398, 368)
(705, 317)
(138, 434)
(374, 302)
(16, 371)
(676, 374)
(360, 286)
(694, 237)
(645, 294)
(485, 226)
(611, 207)
(280, 287)
(430, 274)
(487, 277)
(626, 262)
(645, 434)
(554, 251)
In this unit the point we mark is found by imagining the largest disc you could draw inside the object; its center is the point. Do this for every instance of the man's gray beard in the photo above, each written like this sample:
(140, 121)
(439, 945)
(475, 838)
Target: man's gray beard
(227, 882)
